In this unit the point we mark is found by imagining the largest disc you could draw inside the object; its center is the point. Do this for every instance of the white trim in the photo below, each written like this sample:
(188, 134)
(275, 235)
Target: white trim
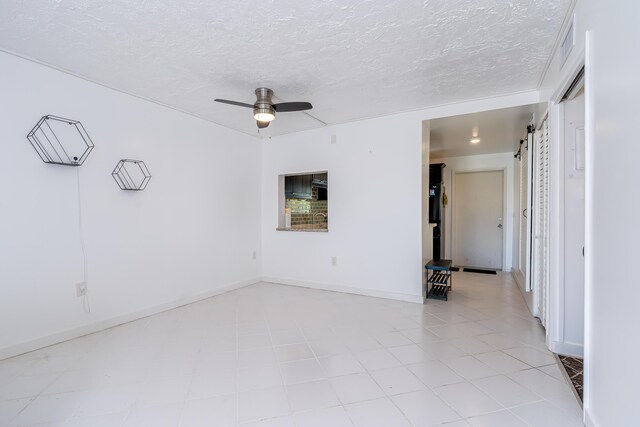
(570, 75)
(505, 212)
(555, 316)
(58, 337)
(567, 349)
(346, 289)
(589, 225)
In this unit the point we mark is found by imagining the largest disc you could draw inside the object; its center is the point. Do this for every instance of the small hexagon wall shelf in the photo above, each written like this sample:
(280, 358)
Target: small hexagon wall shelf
(60, 141)
(131, 175)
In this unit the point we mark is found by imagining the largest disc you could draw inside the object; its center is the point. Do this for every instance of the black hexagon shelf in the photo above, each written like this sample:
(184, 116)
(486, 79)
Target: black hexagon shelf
(60, 141)
(131, 174)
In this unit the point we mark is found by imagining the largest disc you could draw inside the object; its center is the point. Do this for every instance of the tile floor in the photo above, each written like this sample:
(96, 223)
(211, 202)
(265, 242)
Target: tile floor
(272, 355)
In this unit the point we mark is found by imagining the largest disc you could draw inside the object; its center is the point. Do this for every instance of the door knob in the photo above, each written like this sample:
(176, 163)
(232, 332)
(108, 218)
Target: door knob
(499, 225)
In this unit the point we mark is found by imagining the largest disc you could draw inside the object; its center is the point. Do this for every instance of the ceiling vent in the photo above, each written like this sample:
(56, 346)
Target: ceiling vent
(568, 41)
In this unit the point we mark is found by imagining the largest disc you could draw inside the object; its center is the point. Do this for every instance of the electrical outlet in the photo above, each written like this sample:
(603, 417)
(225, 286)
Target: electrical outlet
(334, 260)
(81, 289)
(255, 255)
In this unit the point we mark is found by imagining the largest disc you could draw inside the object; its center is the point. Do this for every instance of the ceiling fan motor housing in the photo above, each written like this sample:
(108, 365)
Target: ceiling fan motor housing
(264, 104)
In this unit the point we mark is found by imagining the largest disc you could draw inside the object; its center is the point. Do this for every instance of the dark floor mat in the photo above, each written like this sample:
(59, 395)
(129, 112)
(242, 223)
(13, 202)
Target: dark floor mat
(575, 369)
(479, 270)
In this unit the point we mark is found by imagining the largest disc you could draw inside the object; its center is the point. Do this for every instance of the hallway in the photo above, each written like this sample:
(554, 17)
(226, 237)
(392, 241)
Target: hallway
(274, 355)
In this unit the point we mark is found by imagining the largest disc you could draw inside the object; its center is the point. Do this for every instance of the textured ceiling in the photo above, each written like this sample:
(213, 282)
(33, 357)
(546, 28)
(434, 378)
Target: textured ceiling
(499, 131)
(352, 59)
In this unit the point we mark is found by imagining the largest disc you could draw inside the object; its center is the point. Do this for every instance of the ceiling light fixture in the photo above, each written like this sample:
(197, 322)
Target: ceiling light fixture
(264, 113)
(474, 140)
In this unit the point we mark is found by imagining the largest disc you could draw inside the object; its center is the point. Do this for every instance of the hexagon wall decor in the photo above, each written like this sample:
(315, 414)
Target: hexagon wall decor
(60, 141)
(131, 174)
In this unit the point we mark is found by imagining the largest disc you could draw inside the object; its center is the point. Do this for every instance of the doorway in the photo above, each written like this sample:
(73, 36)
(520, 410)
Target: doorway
(567, 285)
(478, 219)
(574, 219)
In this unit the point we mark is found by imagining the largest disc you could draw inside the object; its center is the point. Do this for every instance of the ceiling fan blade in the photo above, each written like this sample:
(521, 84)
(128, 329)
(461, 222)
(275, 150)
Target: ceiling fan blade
(262, 125)
(239, 104)
(292, 106)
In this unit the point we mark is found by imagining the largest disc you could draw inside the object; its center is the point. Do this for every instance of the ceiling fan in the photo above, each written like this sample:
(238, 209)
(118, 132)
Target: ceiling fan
(264, 110)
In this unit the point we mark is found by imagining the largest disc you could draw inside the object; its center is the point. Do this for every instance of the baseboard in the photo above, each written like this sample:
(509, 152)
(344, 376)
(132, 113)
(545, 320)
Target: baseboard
(528, 296)
(38, 343)
(567, 349)
(517, 276)
(346, 289)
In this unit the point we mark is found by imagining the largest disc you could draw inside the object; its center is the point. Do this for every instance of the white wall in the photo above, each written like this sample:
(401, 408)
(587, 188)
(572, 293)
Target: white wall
(375, 226)
(191, 233)
(374, 209)
(501, 161)
(612, 206)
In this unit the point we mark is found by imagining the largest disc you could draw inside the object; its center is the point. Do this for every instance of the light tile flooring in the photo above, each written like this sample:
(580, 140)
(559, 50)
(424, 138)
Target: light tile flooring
(272, 355)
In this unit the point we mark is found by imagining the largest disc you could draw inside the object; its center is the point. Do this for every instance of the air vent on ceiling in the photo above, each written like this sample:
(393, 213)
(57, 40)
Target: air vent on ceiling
(568, 41)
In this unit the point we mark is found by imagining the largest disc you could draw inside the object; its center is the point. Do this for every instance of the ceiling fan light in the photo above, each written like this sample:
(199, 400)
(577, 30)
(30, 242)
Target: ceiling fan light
(264, 112)
(264, 117)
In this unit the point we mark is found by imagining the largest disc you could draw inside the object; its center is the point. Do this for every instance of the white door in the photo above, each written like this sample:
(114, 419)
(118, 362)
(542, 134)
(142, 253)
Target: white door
(477, 223)
(574, 223)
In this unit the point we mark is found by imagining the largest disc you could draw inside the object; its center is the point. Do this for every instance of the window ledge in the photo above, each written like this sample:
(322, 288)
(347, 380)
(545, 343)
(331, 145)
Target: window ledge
(312, 230)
